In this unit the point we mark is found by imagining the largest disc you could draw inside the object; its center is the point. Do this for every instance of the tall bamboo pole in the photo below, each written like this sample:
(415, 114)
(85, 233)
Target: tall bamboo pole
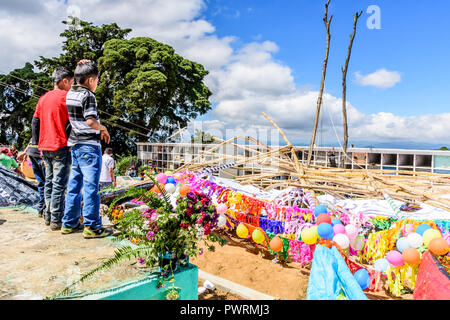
(344, 87)
(324, 71)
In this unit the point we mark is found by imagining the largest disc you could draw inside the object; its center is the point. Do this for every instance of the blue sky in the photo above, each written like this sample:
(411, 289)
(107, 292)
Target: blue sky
(413, 40)
(267, 55)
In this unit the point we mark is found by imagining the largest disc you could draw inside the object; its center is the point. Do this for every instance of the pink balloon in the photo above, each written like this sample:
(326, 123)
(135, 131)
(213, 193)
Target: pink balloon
(395, 258)
(161, 178)
(222, 208)
(351, 231)
(339, 228)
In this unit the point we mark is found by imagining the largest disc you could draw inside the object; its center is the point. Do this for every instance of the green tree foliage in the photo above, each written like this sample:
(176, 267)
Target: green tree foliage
(146, 82)
(83, 40)
(18, 100)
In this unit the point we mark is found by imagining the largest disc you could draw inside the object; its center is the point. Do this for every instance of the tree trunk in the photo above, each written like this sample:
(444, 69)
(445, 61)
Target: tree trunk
(344, 88)
(324, 70)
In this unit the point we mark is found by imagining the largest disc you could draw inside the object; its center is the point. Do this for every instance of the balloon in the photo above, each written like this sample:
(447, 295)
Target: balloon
(342, 240)
(422, 228)
(155, 188)
(402, 244)
(414, 240)
(320, 209)
(309, 236)
(439, 246)
(222, 208)
(184, 189)
(170, 180)
(381, 264)
(395, 258)
(276, 244)
(323, 218)
(242, 231)
(362, 277)
(339, 228)
(411, 256)
(221, 221)
(170, 188)
(161, 178)
(357, 243)
(258, 236)
(169, 173)
(325, 231)
(429, 235)
(351, 231)
(335, 222)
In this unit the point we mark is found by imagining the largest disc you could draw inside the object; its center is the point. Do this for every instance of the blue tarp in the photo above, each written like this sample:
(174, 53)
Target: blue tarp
(330, 276)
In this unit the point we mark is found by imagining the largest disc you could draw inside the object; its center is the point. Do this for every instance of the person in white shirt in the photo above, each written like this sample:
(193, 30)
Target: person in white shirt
(107, 175)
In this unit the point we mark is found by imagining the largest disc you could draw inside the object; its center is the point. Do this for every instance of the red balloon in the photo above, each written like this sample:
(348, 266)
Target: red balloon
(323, 218)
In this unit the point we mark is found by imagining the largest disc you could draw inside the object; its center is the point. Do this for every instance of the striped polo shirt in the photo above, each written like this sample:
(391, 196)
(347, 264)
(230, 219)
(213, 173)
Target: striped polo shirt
(82, 105)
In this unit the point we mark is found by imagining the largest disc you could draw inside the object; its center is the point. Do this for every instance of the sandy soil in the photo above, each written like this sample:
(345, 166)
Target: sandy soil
(36, 262)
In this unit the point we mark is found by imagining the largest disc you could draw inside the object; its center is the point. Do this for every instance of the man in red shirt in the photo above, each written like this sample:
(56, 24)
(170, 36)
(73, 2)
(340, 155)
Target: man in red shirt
(51, 127)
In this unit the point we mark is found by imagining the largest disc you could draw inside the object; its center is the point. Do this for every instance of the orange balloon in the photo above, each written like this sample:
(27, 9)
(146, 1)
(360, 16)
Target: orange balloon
(276, 244)
(184, 190)
(411, 256)
(439, 246)
(155, 188)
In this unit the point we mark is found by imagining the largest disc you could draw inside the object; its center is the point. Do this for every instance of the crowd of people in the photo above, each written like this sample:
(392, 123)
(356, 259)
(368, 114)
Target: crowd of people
(66, 154)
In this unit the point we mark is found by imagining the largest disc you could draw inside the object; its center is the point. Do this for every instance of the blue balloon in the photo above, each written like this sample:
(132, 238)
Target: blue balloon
(402, 244)
(320, 209)
(363, 278)
(335, 222)
(170, 180)
(325, 231)
(422, 228)
(381, 264)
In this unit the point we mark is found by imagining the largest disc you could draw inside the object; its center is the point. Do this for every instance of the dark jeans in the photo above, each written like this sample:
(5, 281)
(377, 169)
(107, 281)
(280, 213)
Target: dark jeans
(57, 169)
(39, 174)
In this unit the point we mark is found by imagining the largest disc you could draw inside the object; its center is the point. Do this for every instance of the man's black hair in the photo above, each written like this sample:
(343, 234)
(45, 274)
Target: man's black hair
(108, 151)
(61, 73)
(84, 71)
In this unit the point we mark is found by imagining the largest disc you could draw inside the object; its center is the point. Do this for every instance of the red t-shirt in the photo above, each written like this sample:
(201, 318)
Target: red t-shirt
(52, 112)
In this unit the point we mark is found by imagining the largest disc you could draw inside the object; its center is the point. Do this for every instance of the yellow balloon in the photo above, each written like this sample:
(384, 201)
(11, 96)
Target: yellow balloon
(310, 236)
(429, 235)
(242, 231)
(258, 236)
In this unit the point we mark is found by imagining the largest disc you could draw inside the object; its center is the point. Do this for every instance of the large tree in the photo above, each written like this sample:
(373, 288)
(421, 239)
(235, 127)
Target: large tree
(18, 99)
(147, 83)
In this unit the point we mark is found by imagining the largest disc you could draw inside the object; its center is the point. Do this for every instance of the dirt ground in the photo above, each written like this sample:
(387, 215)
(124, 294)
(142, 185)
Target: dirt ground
(36, 262)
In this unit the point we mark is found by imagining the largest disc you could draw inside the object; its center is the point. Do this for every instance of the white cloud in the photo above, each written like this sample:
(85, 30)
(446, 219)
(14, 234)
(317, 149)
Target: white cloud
(381, 78)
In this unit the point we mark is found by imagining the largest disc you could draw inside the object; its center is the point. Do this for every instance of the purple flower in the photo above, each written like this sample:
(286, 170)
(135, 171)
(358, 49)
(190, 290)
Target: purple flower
(201, 251)
(191, 195)
(141, 260)
(150, 235)
(190, 204)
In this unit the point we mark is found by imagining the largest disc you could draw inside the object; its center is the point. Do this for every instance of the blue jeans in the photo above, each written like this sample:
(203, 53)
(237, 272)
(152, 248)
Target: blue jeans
(57, 168)
(85, 174)
(39, 174)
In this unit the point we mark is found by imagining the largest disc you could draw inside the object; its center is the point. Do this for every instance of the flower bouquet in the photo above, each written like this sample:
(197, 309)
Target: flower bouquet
(164, 235)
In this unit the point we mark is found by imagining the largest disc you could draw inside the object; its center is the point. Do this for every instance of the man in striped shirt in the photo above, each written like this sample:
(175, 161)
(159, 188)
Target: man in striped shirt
(85, 137)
